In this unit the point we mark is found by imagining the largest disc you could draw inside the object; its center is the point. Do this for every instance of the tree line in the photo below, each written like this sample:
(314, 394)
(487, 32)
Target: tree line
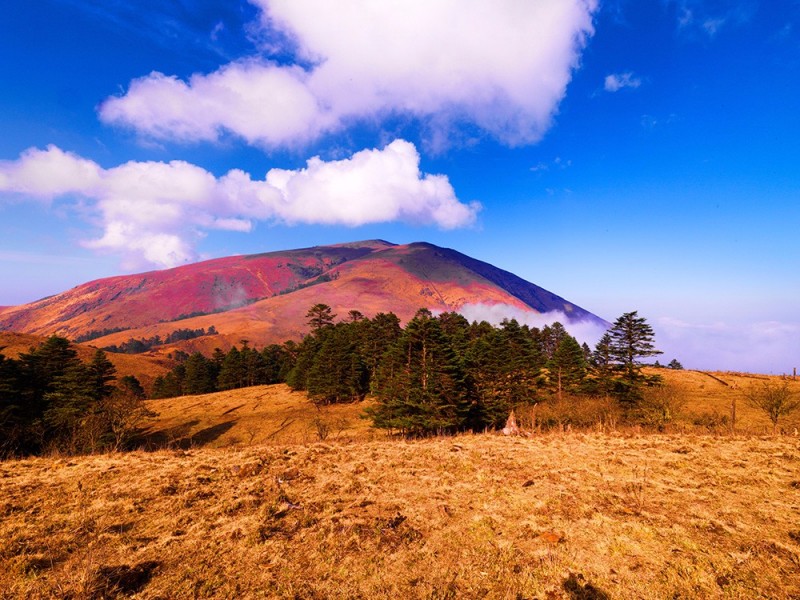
(139, 345)
(441, 373)
(51, 400)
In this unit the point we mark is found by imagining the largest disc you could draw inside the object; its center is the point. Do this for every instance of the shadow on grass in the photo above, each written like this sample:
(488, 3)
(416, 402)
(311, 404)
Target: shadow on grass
(180, 436)
(579, 589)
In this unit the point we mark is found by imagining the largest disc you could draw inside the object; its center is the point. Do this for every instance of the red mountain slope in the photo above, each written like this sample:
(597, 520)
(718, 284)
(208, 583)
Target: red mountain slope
(264, 297)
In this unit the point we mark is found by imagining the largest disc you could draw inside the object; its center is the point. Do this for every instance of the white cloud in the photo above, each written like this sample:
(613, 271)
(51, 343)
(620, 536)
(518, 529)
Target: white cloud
(618, 81)
(584, 331)
(503, 66)
(758, 347)
(155, 213)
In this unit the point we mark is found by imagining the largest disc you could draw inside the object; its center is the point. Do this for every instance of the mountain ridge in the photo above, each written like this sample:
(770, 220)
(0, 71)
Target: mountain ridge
(263, 297)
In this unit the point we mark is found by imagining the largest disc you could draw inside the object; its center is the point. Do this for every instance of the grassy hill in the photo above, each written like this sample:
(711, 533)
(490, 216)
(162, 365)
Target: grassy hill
(276, 415)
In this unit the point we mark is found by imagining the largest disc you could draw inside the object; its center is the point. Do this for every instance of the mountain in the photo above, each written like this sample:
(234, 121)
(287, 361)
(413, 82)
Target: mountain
(264, 297)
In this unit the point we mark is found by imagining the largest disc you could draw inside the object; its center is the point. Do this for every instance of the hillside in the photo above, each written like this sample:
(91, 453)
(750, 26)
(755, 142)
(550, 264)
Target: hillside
(264, 297)
(144, 368)
(556, 516)
(273, 414)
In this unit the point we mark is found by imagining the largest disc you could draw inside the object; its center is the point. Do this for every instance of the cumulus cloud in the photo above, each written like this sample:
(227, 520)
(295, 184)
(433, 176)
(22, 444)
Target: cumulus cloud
(758, 347)
(501, 66)
(617, 81)
(584, 331)
(155, 212)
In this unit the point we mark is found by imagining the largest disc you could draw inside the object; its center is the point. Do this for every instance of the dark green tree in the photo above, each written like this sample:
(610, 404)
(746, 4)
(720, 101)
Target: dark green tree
(233, 372)
(338, 372)
(381, 332)
(631, 339)
(129, 384)
(70, 405)
(319, 316)
(12, 423)
(102, 373)
(201, 376)
(419, 385)
(567, 366)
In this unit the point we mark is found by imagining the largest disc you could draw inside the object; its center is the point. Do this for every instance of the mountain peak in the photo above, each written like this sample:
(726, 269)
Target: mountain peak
(264, 297)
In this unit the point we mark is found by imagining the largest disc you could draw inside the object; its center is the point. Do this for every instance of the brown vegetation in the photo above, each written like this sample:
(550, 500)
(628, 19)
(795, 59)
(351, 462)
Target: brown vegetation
(257, 493)
(553, 516)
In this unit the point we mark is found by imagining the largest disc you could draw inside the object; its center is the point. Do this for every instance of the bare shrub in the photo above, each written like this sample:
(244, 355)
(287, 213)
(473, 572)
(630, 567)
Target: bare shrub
(578, 412)
(659, 406)
(775, 400)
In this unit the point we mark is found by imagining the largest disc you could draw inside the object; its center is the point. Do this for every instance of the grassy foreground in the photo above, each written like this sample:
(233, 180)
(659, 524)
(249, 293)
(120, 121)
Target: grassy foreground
(553, 516)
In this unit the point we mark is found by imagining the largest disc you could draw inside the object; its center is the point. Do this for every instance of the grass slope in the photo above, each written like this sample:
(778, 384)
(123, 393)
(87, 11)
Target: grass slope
(265, 414)
(554, 516)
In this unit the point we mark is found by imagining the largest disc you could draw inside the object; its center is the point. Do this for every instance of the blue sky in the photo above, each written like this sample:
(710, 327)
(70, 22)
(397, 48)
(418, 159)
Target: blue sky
(627, 155)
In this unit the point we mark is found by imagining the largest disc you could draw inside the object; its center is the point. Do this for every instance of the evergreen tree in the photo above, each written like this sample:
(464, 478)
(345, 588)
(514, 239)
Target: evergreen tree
(200, 375)
(70, 402)
(567, 365)
(419, 385)
(602, 366)
(338, 372)
(232, 373)
(319, 316)
(102, 373)
(276, 360)
(129, 384)
(306, 351)
(381, 332)
(12, 423)
(551, 336)
(631, 339)
(39, 369)
(674, 364)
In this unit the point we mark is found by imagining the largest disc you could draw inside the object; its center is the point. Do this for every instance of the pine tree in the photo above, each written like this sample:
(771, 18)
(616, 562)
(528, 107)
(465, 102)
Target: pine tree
(319, 316)
(419, 385)
(129, 384)
(232, 372)
(380, 333)
(631, 339)
(568, 365)
(102, 372)
(200, 375)
(338, 372)
(551, 336)
(71, 403)
(12, 423)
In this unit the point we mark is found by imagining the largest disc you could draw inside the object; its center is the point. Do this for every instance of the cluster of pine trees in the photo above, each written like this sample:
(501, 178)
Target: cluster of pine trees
(50, 400)
(439, 373)
(198, 374)
(443, 373)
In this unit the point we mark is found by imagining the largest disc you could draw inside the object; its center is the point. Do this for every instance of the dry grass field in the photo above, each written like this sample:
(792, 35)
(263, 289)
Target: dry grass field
(264, 414)
(567, 515)
(255, 493)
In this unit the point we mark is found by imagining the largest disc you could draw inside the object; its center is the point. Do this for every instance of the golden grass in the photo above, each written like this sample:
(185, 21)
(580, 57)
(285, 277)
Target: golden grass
(711, 394)
(265, 414)
(484, 516)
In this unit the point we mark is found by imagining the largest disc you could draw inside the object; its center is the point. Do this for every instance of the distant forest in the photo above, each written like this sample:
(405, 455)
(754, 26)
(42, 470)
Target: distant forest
(139, 345)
